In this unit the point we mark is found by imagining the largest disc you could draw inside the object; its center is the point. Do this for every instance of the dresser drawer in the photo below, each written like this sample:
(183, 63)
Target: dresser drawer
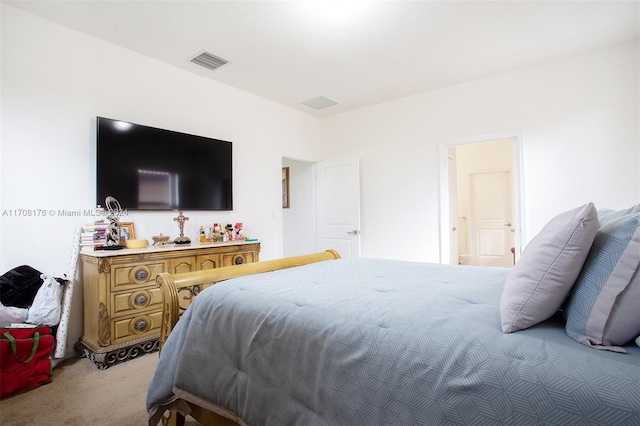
(141, 299)
(138, 326)
(240, 258)
(135, 274)
(207, 262)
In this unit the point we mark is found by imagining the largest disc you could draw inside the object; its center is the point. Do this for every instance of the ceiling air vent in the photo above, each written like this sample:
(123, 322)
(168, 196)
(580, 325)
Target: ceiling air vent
(319, 102)
(208, 60)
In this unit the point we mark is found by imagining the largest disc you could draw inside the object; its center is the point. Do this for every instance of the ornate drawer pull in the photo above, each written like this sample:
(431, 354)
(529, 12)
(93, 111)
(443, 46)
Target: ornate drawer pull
(141, 299)
(141, 325)
(238, 260)
(141, 274)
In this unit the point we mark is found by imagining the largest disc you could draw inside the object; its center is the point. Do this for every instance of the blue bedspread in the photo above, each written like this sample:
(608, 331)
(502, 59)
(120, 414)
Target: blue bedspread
(382, 342)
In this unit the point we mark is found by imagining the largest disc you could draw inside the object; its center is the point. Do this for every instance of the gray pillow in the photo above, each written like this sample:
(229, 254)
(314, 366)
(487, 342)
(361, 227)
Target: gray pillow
(604, 310)
(540, 281)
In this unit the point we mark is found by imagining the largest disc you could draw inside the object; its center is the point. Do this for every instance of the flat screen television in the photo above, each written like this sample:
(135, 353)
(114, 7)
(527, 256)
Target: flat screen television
(146, 168)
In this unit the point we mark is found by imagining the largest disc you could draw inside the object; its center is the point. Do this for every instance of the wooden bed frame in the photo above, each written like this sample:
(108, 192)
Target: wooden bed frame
(180, 289)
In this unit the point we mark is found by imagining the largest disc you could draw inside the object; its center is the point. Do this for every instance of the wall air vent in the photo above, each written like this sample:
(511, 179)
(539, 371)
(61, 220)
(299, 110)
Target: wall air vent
(208, 60)
(319, 102)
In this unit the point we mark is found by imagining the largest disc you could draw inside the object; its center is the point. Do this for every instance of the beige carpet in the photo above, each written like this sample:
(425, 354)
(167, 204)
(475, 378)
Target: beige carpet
(82, 395)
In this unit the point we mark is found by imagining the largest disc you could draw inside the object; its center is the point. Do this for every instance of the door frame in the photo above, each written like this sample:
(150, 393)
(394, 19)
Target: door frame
(452, 188)
(517, 181)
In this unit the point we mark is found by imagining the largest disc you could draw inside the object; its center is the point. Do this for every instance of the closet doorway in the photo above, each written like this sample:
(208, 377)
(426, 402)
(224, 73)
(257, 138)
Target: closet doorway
(481, 198)
(299, 218)
(323, 208)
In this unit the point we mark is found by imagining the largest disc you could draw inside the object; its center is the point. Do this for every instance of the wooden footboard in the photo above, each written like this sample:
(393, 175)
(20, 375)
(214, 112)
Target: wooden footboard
(180, 289)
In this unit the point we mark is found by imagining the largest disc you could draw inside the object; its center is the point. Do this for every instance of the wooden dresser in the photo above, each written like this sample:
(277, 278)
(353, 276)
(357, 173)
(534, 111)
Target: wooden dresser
(123, 305)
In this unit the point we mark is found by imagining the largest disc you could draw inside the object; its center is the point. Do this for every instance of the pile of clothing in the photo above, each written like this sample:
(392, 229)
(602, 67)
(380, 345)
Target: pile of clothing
(29, 296)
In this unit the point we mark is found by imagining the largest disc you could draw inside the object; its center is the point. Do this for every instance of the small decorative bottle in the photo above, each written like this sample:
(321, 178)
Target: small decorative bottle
(216, 232)
(203, 237)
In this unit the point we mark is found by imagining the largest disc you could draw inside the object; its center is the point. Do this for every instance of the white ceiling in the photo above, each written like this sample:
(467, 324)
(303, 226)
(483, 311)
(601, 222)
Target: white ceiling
(368, 52)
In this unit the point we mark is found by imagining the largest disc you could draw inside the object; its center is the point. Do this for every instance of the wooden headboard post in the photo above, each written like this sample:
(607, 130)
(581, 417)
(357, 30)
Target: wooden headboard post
(193, 282)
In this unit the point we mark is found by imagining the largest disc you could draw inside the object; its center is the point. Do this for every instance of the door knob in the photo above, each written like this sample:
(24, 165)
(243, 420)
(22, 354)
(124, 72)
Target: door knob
(507, 224)
(354, 232)
(454, 229)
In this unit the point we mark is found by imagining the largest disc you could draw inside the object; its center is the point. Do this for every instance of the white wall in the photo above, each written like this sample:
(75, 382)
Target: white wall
(55, 82)
(578, 118)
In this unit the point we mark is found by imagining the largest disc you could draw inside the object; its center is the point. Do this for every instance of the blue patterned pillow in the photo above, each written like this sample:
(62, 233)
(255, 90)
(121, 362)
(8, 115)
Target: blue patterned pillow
(607, 215)
(604, 309)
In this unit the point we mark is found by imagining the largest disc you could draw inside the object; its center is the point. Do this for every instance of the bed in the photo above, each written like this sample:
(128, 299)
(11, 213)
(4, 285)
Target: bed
(320, 340)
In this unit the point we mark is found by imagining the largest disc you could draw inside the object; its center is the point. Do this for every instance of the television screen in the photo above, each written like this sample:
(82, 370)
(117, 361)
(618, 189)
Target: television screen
(147, 168)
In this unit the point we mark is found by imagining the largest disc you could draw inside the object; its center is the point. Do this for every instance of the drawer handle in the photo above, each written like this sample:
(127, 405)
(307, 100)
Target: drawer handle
(141, 274)
(238, 260)
(141, 325)
(141, 299)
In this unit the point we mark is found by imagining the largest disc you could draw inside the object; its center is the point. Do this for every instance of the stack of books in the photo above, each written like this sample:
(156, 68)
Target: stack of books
(94, 235)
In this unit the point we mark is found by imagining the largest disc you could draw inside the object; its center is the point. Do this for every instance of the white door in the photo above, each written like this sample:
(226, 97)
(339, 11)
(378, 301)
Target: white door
(453, 206)
(491, 218)
(338, 204)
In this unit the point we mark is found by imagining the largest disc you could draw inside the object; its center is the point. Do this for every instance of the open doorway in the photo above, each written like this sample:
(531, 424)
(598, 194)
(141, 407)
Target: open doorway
(481, 199)
(299, 218)
(323, 208)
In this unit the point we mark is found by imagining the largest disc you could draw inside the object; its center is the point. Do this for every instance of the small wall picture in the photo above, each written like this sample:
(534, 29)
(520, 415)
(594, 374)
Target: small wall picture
(127, 232)
(285, 187)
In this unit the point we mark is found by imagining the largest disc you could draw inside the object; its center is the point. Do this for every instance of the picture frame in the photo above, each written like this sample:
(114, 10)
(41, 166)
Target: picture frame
(285, 187)
(127, 232)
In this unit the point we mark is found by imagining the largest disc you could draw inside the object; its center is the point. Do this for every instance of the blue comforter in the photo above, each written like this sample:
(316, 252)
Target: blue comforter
(382, 342)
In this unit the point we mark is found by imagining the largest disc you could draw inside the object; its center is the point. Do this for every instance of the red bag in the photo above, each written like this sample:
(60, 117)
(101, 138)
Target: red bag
(25, 359)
